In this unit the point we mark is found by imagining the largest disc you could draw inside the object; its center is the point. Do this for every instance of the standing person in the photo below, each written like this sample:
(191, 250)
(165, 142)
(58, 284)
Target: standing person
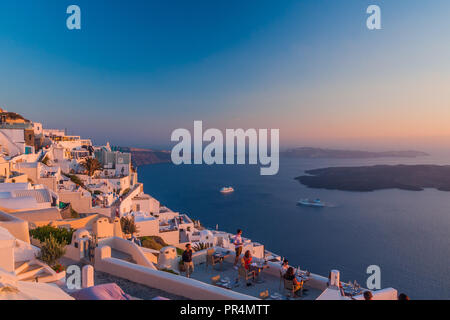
(187, 260)
(238, 244)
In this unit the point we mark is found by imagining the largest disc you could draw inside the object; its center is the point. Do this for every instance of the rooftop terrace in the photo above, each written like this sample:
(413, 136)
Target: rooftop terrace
(268, 279)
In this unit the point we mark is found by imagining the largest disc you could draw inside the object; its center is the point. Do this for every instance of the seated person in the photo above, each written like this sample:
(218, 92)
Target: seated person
(247, 259)
(290, 276)
(284, 267)
(245, 264)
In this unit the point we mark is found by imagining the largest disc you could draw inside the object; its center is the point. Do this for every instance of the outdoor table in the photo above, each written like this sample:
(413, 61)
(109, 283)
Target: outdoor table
(225, 283)
(221, 256)
(351, 292)
(303, 278)
(258, 267)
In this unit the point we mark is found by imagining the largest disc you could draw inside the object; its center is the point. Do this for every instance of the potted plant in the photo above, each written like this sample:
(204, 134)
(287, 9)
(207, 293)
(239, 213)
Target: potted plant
(58, 268)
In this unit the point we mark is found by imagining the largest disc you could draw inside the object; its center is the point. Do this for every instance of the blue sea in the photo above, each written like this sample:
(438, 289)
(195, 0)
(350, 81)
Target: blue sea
(405, 233)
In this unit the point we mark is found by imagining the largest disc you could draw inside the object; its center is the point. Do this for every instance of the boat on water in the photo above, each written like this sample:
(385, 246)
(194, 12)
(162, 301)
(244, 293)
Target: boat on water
(226, 190)
(312, 203)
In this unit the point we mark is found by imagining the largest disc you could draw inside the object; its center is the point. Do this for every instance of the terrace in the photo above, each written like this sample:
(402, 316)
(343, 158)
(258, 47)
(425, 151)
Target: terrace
(268, 282)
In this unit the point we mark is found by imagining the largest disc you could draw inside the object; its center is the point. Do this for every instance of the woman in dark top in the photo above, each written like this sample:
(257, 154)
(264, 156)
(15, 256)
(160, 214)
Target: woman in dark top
(290, 276)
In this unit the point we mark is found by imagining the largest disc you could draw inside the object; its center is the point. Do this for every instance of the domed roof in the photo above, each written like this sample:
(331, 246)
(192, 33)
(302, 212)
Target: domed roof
(206, 233)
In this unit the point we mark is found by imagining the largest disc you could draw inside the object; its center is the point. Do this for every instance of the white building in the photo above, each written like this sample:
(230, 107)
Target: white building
(12, 141)
(23, 197)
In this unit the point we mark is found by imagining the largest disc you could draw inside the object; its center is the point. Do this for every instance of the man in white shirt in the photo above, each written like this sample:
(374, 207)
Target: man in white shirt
(238, 244)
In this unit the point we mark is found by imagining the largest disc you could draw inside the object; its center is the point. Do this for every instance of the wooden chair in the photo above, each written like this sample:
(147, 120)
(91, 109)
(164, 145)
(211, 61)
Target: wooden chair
(290, 287)
(264, 295)
(215, 279)
(244, 274)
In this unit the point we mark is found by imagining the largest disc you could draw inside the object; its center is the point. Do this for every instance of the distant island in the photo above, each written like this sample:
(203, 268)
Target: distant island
(142, 157)
(317, 153)
(404, 177)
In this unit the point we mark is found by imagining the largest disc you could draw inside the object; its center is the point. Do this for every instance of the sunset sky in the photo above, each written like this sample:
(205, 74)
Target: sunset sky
(140, 69)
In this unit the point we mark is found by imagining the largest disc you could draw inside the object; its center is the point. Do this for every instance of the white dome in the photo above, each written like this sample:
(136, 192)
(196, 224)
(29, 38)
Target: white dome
(206, 235)
(81, 233)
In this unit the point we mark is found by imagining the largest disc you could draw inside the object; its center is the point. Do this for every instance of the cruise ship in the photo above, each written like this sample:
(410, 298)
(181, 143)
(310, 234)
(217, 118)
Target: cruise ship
(225, 190)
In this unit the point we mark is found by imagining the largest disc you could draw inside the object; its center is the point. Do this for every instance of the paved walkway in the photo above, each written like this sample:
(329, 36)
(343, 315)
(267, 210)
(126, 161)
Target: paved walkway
(133, 289)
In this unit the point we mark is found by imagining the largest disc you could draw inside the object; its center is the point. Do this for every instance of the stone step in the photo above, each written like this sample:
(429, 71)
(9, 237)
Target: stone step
(30, 272)
(20, 267)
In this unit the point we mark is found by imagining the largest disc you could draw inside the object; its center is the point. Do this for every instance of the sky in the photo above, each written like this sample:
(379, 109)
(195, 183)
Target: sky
(137, 70)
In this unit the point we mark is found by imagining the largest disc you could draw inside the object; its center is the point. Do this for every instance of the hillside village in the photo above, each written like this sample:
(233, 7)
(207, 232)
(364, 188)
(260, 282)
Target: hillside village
(66, 202)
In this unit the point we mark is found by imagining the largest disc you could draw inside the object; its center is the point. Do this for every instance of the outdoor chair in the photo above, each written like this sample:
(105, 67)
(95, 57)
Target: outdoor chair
(244, 274)
(290, 287)
(264, 295)
(215, 280)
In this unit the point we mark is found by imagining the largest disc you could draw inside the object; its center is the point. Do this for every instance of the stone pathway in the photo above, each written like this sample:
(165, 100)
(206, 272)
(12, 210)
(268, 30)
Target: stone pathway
(134, 289)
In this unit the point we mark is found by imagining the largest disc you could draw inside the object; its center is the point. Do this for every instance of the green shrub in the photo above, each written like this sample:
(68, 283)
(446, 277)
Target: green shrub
(74, 214)
(61, 235)
(153, 242)
(52, 251)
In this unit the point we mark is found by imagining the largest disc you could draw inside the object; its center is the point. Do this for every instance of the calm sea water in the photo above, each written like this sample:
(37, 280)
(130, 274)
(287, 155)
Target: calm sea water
(406, 233)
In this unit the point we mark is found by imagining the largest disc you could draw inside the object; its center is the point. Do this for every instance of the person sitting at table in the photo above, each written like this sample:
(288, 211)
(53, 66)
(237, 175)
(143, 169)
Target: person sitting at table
(247, 259)
(246, 262)
(284, 267)
(290, 276)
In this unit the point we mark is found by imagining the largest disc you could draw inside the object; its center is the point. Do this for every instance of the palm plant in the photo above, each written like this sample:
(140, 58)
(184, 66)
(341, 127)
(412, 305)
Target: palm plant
(91, 165)
(201, 246)
(128, 225)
